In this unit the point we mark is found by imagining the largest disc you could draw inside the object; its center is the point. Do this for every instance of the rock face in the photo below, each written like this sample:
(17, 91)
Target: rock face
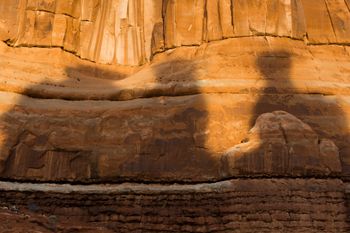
(280, 144)
(253, 205)
(130, 32)
(87, 122)
(178, 95)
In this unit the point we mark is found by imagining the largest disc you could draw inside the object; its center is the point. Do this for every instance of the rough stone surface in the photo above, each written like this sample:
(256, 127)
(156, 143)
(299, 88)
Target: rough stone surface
(193, 105)
(280, 144)
(265, 205)
(193, 92)
(129, 32)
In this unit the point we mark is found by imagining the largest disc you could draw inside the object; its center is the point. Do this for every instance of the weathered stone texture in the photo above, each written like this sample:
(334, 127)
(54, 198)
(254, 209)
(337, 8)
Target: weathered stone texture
(130, 32)
(266, 205)
(280, 144)
(193, 105)
(190, 93)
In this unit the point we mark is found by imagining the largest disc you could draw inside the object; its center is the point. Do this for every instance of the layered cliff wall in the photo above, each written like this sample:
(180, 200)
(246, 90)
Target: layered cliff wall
(223, 116)
(252, 205)
(130, 32)
(194, 103)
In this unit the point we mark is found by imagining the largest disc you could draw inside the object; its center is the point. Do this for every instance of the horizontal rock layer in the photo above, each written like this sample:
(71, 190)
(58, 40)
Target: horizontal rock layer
(233, 89)
(130, 32)
(238, 66)
(265, 205)
(194, 104)
(148, 139)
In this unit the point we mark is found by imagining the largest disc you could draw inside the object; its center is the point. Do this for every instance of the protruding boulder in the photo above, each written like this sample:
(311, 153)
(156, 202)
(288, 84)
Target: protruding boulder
(280, 144)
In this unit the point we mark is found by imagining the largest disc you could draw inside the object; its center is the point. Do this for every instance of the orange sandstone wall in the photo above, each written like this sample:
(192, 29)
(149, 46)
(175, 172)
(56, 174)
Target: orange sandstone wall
(130, 32)
(226, 116)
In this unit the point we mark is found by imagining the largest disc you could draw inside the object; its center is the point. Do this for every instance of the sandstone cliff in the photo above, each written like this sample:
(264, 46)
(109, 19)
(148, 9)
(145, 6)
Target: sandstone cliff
(130, 32)
(224, 116)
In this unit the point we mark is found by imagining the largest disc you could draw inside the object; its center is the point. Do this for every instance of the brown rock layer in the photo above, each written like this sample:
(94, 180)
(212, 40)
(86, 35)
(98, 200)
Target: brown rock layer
(57, 146)
(280, 144)
(254, 92)
(193, 105)
(265, 205)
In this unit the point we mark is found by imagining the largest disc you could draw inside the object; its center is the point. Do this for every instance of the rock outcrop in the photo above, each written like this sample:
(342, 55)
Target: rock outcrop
(223, 116)
(193, 105)
(130, 32)
(253, 205)
(281, 145)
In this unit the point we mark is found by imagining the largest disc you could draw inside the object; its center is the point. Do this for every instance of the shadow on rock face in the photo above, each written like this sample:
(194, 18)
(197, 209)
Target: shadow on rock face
(83, 71)
(146, 139)
(274, 68)
(295, 134)
(280, 144)
(172, 145)
(163, 138)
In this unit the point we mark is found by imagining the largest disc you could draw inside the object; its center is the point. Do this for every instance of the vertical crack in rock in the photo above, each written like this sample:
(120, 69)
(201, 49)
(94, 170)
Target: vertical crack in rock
(330, 18)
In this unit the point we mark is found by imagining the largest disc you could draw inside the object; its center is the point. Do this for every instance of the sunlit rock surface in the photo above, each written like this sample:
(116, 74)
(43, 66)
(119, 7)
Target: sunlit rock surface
(232, 114)
(130, 32)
